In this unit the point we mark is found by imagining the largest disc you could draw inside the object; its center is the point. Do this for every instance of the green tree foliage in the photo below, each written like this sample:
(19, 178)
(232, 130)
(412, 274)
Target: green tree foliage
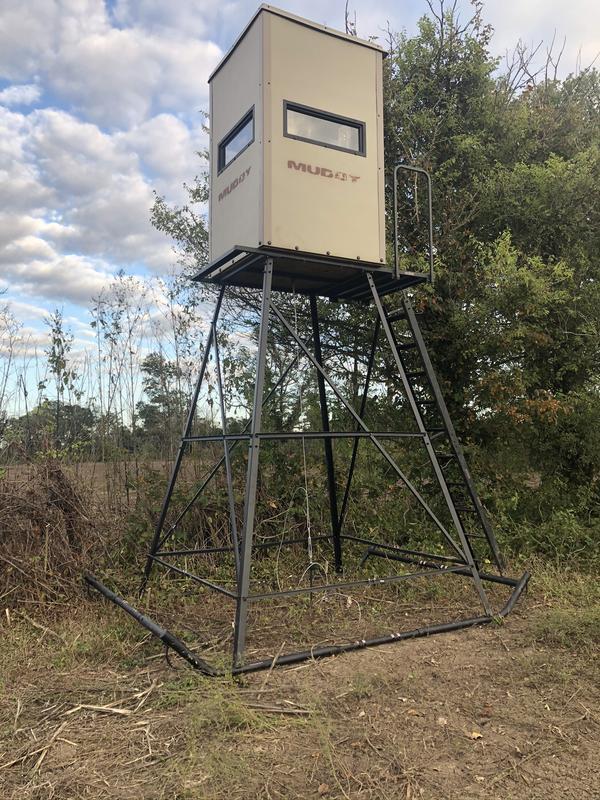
(514, 317)
(162, 411)
(185, 225)
(35, 432)
(65, 379)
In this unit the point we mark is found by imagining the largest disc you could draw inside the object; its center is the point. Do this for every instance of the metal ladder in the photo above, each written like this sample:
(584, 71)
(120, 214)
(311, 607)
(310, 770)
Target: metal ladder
(435, 420)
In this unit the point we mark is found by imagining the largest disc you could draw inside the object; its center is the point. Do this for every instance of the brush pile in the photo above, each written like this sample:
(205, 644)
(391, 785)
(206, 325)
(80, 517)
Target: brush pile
(50, 528)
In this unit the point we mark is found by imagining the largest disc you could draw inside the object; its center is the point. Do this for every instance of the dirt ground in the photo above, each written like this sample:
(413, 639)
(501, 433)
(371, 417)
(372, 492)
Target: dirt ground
(89, 708)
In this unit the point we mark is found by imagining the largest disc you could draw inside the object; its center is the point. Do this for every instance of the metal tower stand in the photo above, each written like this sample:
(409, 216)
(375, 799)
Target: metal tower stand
(469, 538)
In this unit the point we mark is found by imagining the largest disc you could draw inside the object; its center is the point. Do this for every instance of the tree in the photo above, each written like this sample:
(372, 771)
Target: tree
(162, 413)
(35, 432)
(64, 373)
(186, 225)
(9, 333)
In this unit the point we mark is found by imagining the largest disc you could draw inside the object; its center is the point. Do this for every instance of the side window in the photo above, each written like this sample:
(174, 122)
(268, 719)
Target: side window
(320, 127)
(237, 140)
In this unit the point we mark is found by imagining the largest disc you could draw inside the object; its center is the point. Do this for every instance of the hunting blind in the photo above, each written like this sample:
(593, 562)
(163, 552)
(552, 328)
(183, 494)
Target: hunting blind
(296, 144)
(298, 205)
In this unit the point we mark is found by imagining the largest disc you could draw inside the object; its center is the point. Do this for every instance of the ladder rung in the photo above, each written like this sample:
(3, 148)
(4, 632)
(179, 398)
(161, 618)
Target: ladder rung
(399, 314)
(465, 509)
(425, 402)
(436, 430)
(446, 463)
(408, 346)
(394, 316)
(437, 435)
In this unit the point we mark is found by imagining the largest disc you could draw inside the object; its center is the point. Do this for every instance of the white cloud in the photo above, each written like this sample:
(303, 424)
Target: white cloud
(113, 76)
(116, 223)
(29, 343)
(15, 226)
(77, 191)
(120, 77)
(25, 249)
(75, 158)
(33, 32)
(24, 94)
(27, 312)
(128, 80)
(20, 187)
(70, 278)
(199, 18)
(166, 146)
(78, 178)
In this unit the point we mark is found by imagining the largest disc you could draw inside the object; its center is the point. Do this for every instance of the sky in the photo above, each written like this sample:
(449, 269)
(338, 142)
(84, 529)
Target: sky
(103, 102)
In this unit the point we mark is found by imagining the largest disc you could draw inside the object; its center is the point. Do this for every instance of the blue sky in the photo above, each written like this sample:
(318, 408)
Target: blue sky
(102, 102)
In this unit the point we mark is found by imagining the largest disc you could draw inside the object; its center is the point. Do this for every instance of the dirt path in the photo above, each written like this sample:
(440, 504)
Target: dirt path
(89, 711)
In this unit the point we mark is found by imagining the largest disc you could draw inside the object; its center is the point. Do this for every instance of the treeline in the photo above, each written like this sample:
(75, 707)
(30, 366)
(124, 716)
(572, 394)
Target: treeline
(514, 318)
(122, 392)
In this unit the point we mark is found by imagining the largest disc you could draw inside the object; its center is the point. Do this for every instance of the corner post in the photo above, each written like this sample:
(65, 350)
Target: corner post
(361, 413)
(327, 444)
(243, 586)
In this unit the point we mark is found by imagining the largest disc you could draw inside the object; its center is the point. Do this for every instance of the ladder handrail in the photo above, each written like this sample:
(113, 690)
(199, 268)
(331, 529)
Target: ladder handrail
(420, 171)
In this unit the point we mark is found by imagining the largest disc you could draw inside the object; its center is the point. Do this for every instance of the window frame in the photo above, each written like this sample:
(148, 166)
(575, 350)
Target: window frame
(330, 117)
(237, 128)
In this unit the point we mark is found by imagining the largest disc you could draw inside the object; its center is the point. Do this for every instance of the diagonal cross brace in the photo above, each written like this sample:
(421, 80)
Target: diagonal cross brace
(221, 461)
(404, 478)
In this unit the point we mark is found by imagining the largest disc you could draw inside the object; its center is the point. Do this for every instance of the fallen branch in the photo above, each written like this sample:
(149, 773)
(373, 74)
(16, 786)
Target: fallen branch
(108, 709)
(46, 747)
(43, 628)
(298, 712)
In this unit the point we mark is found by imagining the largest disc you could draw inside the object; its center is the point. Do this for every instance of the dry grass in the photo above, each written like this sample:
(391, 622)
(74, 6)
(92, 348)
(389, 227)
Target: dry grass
(90, 709)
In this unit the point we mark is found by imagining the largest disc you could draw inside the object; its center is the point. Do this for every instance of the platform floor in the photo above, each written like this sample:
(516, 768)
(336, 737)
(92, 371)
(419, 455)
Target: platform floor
(305, 273)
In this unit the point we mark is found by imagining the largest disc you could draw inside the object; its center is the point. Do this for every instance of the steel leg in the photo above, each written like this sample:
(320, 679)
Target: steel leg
(227, 457)
(327, 444)
(361, 413)
(241, 614)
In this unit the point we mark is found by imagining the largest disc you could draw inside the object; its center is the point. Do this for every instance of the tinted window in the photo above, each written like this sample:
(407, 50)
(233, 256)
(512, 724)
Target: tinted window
(326, 129)
(236, 140)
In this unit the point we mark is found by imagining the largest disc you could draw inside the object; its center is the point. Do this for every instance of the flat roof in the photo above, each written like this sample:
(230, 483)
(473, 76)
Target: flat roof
(300, 21)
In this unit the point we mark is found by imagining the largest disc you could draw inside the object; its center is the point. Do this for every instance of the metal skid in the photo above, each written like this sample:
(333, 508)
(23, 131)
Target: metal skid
(468, 533)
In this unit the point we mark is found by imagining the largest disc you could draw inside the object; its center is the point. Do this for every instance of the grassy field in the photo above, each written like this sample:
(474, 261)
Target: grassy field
(90, 708)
